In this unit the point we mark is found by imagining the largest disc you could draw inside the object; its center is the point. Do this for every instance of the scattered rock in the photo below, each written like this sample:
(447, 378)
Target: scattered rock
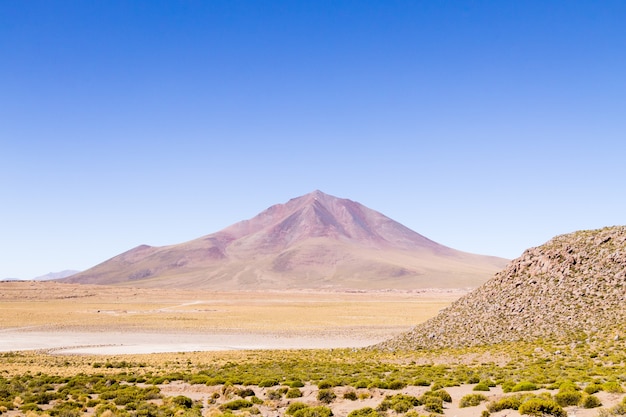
(574, 284)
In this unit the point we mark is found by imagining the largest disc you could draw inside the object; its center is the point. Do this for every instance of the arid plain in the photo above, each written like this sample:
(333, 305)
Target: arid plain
(102, 319)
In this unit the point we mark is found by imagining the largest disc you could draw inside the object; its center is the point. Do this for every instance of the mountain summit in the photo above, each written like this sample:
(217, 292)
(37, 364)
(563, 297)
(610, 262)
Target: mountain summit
(315, 241)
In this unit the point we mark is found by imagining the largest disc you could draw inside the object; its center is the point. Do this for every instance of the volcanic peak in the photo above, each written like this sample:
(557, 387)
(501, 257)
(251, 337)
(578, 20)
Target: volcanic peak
(313, 241)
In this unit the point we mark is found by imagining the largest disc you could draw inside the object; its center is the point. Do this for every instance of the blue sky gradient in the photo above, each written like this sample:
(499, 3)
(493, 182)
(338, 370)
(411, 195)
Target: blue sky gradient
(487, 126)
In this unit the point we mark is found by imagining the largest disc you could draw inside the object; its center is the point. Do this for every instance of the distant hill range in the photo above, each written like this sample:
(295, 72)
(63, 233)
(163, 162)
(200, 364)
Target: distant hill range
(316, 241)
(573, 285)
(56, 275)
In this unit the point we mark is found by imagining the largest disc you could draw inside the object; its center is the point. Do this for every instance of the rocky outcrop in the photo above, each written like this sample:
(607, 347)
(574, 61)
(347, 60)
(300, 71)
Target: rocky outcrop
(574, 283)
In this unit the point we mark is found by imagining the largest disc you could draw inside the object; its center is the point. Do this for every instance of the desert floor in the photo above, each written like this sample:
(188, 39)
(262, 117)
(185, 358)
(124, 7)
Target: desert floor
(61, 319)
(64, 318)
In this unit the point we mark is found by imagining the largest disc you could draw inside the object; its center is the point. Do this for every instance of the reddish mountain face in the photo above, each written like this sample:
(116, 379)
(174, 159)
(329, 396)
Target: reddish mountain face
(315, 241)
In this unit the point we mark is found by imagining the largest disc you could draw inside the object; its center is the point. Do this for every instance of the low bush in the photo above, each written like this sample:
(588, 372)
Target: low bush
(400, 403)
(440, 393)
(568, 398)
(295, 406)
(361, 384)
(506, 403)
(182, 401)
(524, 386)
(471, 400)
(274, 395)
(613, 387)
(481, 386)
(591, 401)
(293, 393)
(29, 407)
(433, 404)
(542, 407)
(236, 405)
(266, 383)
(325, 384)
(326, 396)
(245, 392)
(396, 385)
(319, 411)
(364, 412)
(593, 388)
(350, 395)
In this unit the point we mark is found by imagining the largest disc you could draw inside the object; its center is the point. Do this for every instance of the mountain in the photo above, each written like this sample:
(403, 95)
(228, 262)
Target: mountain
(316, 241)
(574, 284)
(56, 275)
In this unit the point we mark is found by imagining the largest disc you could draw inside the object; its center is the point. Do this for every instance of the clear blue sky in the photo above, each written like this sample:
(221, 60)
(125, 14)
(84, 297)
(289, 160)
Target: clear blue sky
(487, 126)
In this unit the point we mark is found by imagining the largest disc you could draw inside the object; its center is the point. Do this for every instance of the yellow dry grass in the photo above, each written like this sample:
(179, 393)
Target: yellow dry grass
(53, 306)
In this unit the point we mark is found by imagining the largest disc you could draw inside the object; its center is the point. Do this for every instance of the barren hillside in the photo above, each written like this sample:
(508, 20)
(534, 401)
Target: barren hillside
(573, 284)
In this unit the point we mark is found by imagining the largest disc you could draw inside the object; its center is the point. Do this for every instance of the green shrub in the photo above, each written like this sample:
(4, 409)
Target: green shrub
(319, 411)
(266, 383)
(433, 404)
(361, 384)
(399, 401)
(472, 400)
(364, 412)
(481, 386)
(396, 385)
(350, 395)
(402, 406)
(293, 393)
(101, 408)
(506, 403)
(325, 384)
(326, 396)
(296, 383)
(473, 380)
(489, 383)
(593, 388)
(441, 393)
(541, 407)
(591, 401)
(274, 395)
(245, 392)
(568, 386)
(619, 409)
(613, 387)
(29, 407)
(507, 386)
(182, 401)
(524, 386)
(295, 406)
(568, 398)
(421, 383)
(236, 404)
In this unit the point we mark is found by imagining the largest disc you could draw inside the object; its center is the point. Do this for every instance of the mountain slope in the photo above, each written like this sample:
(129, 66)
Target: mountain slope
(314, 241)
(574, 283)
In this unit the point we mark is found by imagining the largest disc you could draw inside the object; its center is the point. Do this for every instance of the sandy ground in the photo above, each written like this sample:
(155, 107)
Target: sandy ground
(65, 318)
(113, 343)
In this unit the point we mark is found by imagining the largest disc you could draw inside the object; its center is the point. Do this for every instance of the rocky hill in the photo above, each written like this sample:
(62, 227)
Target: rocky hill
(315, 241)
(574, 283)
